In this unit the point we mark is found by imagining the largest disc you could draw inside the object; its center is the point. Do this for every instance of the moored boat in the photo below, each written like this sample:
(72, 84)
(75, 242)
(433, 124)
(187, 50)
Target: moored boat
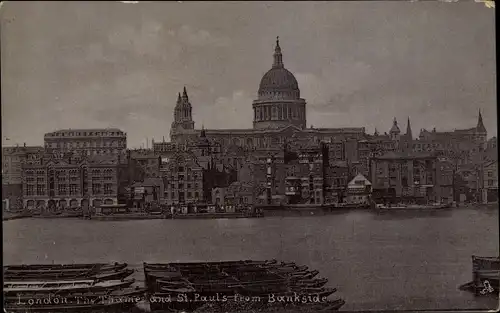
(84, 275)
(14, 287)
(169, 266)
(30, 267)
(485, 263)
(432, 206)
(176, 291)
(301, 275)
(61, 271)
(311, 282)
(485, 276)
(286, 268)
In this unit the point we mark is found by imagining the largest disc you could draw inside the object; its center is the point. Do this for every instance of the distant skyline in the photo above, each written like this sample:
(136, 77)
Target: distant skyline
(358, 64)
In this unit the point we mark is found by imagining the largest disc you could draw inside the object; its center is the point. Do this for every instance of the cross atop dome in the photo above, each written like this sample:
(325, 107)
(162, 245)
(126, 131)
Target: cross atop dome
(278, 57)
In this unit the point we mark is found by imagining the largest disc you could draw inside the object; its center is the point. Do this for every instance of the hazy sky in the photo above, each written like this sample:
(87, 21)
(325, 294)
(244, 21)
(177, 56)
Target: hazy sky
(358, 64)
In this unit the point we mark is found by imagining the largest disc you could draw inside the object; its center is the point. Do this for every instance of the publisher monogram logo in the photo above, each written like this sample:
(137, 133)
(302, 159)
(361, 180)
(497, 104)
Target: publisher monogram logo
(487, 288)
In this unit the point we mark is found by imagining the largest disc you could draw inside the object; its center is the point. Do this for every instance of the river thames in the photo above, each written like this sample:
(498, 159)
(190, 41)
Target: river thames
(378, 261)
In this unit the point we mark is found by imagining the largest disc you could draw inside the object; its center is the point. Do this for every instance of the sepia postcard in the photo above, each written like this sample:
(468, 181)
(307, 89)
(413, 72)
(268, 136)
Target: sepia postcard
(249, 157)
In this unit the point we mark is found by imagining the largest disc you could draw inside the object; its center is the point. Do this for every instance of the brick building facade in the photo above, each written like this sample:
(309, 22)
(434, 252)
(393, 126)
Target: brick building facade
(80, 182)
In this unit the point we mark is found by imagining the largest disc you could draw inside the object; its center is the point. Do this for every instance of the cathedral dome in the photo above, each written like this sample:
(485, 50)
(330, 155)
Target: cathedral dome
(278, 82)
(278, 79)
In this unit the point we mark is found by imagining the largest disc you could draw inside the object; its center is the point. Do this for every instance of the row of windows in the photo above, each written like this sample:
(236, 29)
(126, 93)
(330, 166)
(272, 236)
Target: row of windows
(106, 189)
(278, 112)
(85, 133)
(83, 144)
(102, 172)
(40, 190)
(99, 152)
(189, 195)
(182, 186)
(102, 178)
(74, 172)
(63, 189)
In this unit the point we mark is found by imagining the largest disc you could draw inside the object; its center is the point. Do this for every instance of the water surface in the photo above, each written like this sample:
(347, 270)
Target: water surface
(378, 261)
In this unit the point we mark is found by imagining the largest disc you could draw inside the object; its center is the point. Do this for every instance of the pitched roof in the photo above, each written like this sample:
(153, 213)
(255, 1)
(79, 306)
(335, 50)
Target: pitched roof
(358, 178)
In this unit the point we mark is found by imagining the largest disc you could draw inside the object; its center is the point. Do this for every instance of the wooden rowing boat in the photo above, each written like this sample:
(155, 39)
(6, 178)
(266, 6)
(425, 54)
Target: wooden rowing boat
(44, 267)
(183, 290)
(288, 268)
(302, 275)
(168, 266)
(60, 271)
(311, 282)
(485, 263)
(63, 286)
(99, 276)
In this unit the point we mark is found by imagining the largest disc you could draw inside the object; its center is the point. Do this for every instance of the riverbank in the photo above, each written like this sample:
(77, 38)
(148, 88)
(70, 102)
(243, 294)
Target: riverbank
(187, 216)
(8, 216)
(276, 211)
(134, 216)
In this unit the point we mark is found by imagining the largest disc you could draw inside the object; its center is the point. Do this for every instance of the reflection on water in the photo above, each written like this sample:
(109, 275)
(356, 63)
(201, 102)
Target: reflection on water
(393, 260)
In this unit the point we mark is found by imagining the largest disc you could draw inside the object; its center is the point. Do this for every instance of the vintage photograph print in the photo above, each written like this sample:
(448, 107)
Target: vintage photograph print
(248, 157)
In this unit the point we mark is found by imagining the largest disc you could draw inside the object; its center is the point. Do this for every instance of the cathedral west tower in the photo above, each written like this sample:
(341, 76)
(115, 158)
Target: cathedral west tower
(183, 115)
(279, 103)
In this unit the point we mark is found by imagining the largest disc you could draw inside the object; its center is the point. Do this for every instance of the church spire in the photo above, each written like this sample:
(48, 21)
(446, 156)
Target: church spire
(278, 57)
(480, 126)
(408, 130)
(203, 134)
(184, 94)
(179, 98)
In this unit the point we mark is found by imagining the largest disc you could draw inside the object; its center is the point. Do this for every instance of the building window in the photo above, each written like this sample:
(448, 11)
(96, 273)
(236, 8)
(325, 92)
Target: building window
(108, 189)
(40, 190)
(73, 189)
(490, 174)
(181, 186)
(96, 188)
(61, 189)
(30, 190)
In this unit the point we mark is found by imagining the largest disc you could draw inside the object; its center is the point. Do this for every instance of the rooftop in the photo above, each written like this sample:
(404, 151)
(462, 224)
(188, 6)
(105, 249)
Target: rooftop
(405, 155)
